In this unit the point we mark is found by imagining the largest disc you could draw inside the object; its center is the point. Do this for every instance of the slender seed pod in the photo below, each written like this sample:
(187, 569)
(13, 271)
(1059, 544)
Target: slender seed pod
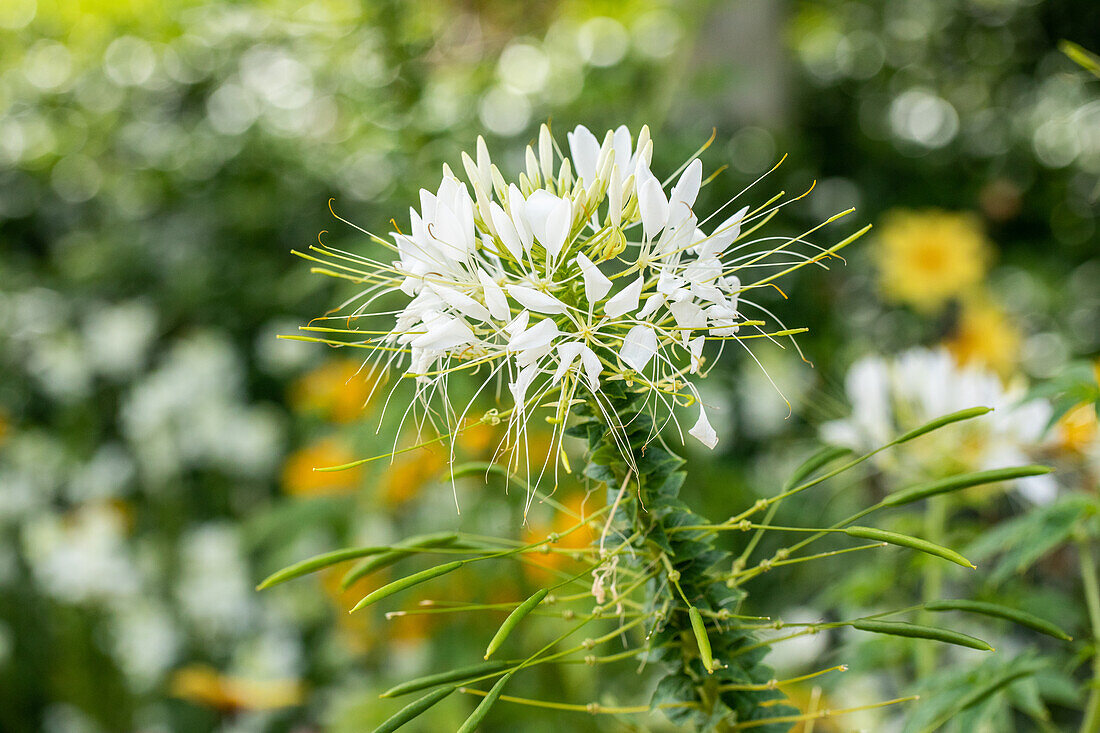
(998, 611)
(317, 562)
(965, 481)
(513, 620)
(455, 675)
(407, 582)
(485, 705)
(917, 631)
(702, 639)
(394, 554)
(413, 710)
(913, 543)
(940, 422)
(814, 462)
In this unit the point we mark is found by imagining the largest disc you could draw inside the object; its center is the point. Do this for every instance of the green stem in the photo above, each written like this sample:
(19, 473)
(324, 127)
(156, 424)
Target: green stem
(935, 515)
(1091, 723)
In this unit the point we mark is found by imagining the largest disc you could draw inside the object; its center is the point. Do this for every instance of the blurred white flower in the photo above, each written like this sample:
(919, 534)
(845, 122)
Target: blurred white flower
(891, 396)
(214, 591)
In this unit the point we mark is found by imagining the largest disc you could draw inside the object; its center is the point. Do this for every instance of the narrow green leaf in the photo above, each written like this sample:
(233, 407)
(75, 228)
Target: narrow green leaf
(513, 620)
(318, 562)
(407, 582)
(962, 481)
(702, 639)
(940, 422)
(455, 675)
(913, 543)
(817, 460)
(998, 611)
(413, 710)
(916, 631)
(485, 705)
(393, 554)
(979, 694)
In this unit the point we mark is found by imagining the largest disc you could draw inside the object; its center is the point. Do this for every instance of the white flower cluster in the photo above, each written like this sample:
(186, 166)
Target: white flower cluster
(584, 271)
(891, 396)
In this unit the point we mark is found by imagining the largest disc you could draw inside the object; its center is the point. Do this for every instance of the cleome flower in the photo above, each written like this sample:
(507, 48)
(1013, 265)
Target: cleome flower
(889, 396)
(586, 271)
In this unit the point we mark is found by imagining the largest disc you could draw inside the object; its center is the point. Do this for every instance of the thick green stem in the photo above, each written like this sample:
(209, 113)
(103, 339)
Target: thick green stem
(1091, 723)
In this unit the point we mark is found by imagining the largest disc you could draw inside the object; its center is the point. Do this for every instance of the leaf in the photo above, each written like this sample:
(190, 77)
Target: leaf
(918, 631)
(998, 611)
(819, 459)
(1026, 539)
(960, 693)
(913, 543)
(672, 690)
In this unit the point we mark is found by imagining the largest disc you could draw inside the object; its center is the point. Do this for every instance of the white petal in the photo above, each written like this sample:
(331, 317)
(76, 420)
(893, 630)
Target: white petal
(684, 192)
(652, 303)
(535, 300)
(506, 230)
(653, 206)
(538, 336)
(461, 302)
(688, 315)
(517, 207)
(519, 387)
(584, 149)
(549, 217)
(639, 346)
(702, 430)
(626, 300)
(592, 367)
(567, 354)
(518, 324)
(596, 284)
(723, 235)
(695, 348)
(495, 299)
(442, 332)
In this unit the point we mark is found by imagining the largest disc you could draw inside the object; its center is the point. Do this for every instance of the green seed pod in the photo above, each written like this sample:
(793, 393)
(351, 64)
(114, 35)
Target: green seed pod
(940, 422)
(966, 480)
(317, 562)
(483, 707)
(999, 611)
(393, 554)
(413, 710)
(455, 675)
(513, 620)
(913, 543)
(916, 631)
(702, 639)
(817, 460)
(407, 582)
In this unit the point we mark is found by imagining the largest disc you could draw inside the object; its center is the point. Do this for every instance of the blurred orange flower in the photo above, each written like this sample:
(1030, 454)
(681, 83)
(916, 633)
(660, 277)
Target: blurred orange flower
(926, 258)
(299, 478)
(409, 473)
(206, 686)
(541, 566)
(985, 335)
(338, 390)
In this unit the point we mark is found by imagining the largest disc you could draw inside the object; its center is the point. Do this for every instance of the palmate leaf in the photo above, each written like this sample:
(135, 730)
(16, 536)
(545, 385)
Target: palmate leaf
(1023, 541)
(951, 694)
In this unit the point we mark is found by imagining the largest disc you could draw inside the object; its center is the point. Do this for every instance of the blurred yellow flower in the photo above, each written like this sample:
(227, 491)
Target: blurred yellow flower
(207, 686)
(925, 258)
(299, 478)
(338, 390)
(985, 335)
(1078, 428)
(409, 473)
(542, 566)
